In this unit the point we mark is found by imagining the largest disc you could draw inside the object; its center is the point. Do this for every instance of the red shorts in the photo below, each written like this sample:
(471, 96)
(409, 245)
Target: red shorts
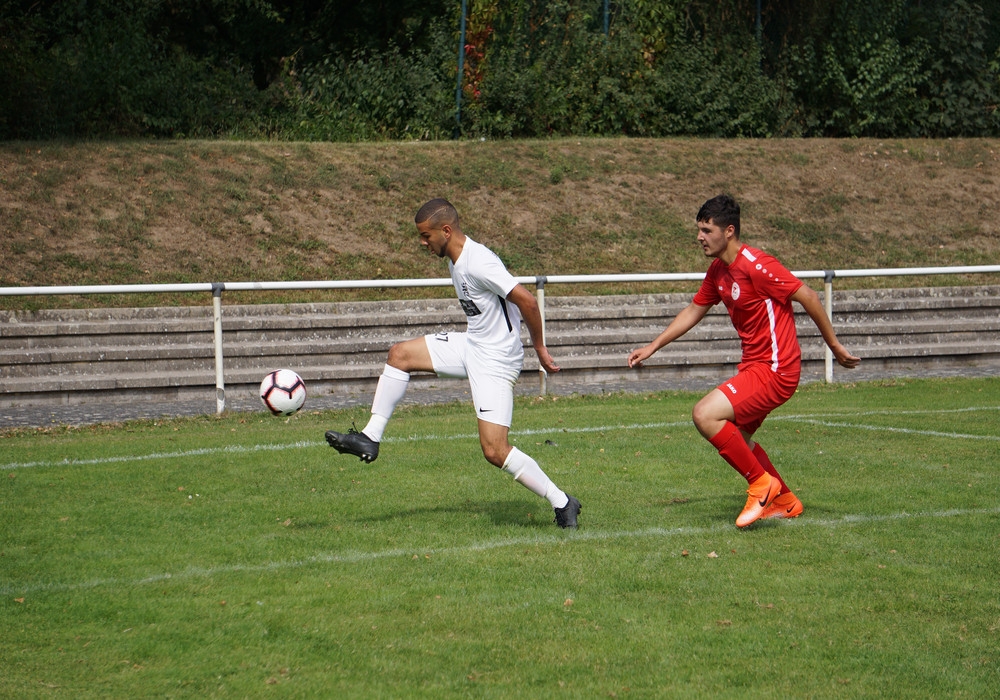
(755, 391)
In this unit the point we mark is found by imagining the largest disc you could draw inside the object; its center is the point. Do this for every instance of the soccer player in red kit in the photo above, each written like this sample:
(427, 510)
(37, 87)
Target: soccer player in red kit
(758, 293)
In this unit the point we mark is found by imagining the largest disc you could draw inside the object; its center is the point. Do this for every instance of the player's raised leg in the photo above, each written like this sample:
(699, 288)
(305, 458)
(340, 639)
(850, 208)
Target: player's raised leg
(408, 356)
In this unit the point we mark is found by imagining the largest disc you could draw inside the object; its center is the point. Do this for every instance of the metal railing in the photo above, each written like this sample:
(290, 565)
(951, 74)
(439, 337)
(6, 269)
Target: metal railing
(217, 288)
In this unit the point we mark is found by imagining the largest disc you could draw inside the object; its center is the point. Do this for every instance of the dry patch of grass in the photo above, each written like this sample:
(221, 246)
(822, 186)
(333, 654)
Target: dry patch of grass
(152, 212)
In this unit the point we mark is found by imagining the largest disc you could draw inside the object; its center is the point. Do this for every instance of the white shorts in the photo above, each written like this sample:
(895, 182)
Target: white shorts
(492, 384)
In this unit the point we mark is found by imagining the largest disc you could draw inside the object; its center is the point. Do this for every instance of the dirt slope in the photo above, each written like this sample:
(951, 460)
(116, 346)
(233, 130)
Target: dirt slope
(144, 212)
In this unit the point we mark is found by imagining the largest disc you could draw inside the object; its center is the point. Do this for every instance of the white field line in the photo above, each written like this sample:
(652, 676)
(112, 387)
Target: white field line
(230, 449)
(356, 557)
(889, 429)
(245, 449)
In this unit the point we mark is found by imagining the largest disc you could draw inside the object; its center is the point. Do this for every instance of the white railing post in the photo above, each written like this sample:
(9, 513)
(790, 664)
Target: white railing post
(828, 300)
(220, 383)
(540, 294)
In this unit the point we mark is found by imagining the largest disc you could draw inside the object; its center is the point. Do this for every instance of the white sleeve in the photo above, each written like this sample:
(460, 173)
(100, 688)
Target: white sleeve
(493, 274)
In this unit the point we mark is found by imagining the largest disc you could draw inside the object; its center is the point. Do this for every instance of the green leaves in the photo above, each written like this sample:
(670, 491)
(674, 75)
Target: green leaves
(349, 71)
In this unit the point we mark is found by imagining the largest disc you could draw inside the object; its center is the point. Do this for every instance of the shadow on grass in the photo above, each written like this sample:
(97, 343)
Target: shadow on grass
(517, 513)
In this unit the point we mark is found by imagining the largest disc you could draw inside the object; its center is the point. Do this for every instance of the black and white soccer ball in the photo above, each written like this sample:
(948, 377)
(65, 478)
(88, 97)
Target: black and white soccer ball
(283, 392)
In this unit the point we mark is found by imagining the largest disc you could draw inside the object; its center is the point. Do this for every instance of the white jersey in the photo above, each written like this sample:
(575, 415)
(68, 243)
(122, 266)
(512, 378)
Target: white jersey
(482, 284)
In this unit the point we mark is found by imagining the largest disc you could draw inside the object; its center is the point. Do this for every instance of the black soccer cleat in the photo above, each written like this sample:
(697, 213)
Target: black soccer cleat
(353, 443)
(566, 516)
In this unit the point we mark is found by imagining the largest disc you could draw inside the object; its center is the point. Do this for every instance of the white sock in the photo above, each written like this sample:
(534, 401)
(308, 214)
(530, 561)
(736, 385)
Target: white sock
(390, 391)
(526, 472)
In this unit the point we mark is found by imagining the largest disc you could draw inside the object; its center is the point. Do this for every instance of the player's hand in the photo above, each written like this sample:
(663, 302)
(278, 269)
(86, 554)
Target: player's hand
(844, 358)
(638, 356)
(545, 360)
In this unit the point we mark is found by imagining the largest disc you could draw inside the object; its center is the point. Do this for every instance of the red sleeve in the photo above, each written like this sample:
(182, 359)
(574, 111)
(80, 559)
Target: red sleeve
(708, 293)
(772, 279)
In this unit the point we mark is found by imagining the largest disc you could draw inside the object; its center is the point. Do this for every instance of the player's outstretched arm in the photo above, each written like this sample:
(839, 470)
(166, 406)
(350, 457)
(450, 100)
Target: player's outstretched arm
(810, 301)
(682, 323)
(532, 317)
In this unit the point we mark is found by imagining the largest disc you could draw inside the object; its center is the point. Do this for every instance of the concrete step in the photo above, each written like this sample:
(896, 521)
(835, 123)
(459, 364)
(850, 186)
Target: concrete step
(959, 300)
(318, 372)
(249, 376)
(310, 320)
(37, 353)
(71, 355)
(62, 361)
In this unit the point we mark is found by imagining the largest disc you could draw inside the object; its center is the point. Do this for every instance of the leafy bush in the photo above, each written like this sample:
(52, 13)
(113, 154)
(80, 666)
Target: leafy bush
(24, 105)
(962, 89)
(295, 70)
(384, 95)
(708, 92)
(557, 75)
(101, 70)
(895, 69)
(857, 79)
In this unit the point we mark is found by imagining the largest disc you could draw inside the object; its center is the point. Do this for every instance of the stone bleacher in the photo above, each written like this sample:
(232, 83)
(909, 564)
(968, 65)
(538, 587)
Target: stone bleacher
(63, 357)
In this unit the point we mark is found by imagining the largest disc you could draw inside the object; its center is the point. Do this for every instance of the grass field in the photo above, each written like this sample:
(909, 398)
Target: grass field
(241, 557)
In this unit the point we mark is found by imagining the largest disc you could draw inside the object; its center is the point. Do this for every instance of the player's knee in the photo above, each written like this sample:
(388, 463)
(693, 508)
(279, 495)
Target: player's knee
(397, 355)
(495, 454)
(699, 415)
(493, 457)
(403, 356)
(705, 420)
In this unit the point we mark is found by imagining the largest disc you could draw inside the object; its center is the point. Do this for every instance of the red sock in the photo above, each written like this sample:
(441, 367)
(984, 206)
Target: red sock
(733, 448)
(765, 462)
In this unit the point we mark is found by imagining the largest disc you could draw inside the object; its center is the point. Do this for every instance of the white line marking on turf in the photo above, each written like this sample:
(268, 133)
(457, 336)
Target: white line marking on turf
(233, 449)
(889, 429)
(243, 449)
(894, 412)
(356, 557)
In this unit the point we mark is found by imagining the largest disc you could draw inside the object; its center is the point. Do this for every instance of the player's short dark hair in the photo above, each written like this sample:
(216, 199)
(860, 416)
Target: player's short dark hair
(721, 210)
(439, 212)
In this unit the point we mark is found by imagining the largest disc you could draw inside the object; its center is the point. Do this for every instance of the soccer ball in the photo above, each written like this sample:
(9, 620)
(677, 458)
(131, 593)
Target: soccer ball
(283, 392)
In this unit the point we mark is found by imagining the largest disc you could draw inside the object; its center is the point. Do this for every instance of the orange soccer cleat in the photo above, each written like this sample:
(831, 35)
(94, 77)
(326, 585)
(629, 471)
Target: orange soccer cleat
(784, 506)
(761, 493)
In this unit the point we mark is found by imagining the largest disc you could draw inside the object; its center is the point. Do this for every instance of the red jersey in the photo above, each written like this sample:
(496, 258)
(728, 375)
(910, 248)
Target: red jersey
(757, 290)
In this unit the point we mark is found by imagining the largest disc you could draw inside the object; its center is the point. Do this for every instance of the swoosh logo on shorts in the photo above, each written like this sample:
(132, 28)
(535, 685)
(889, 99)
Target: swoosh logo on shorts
(485, 410)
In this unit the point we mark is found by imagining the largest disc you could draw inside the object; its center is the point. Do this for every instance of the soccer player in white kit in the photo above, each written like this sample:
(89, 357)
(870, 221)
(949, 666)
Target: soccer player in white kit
(489, 354)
